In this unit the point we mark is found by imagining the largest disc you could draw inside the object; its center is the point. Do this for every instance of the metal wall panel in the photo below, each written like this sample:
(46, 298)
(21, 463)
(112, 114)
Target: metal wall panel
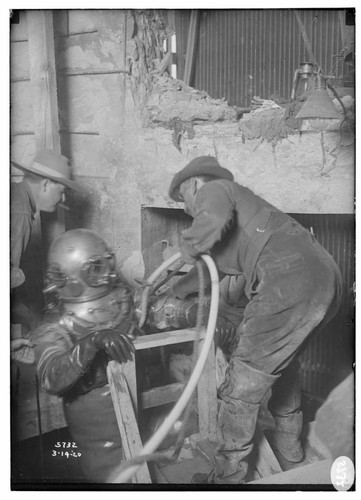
(329, 356)
(243, 53)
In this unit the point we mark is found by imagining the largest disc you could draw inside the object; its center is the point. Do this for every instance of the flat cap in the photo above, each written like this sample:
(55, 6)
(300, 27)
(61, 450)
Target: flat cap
(203, 165)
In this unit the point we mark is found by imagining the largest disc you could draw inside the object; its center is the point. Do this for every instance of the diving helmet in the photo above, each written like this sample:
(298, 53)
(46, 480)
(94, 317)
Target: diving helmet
(81, 276)
(80, 267)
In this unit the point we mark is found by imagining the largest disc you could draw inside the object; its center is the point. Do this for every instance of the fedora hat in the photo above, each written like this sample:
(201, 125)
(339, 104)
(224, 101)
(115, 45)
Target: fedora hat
(53, 166)
(203, 165)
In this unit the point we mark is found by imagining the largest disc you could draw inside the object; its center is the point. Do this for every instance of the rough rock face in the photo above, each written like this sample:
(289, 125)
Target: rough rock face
(172, 99)
(174, 105)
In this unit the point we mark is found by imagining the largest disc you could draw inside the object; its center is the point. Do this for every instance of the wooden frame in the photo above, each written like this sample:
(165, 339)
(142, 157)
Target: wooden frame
(123, 386)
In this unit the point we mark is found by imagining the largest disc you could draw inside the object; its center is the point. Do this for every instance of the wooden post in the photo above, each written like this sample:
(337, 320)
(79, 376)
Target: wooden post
(191, 44)
(127, 423)
(207, 396)
(44, 90)
(131, 376)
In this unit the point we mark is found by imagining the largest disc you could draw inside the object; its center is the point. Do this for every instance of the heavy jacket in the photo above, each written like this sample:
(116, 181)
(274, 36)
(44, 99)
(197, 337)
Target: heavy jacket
(87, 402)
(232, 224)
(58, 377)
(22, 211)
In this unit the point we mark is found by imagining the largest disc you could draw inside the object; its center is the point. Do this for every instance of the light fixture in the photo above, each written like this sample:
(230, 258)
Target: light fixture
(303, 80)
(318, 104)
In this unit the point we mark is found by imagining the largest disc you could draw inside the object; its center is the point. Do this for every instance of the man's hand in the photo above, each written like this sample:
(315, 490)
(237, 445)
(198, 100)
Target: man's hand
(115, 343)
(186, 252)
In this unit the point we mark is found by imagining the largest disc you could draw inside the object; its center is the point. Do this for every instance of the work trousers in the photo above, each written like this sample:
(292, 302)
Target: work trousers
(297, 290)
(93, 426)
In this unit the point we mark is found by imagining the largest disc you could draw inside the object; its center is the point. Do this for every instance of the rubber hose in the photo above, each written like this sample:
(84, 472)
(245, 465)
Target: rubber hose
(125, 475)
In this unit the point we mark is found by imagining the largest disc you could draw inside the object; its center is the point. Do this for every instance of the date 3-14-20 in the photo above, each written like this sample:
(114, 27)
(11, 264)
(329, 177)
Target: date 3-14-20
(65, 449)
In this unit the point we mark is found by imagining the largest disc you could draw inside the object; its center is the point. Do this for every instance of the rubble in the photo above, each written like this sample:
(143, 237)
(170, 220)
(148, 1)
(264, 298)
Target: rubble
(172, 99)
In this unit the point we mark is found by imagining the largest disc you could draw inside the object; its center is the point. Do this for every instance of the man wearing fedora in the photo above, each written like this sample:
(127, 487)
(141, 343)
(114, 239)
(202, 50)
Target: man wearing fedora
(293, 288)
(42, 188)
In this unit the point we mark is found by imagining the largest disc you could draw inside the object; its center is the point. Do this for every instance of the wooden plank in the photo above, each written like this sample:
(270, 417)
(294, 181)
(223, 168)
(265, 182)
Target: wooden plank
(43, 79)
(131, 376)
(266, 462)
(191, 44)
(166, 338)
(318, 473)
(207, 396)
(42, 71)
(127, 423)
(161, 395)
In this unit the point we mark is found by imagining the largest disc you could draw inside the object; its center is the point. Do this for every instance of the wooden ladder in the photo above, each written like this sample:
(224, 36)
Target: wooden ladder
(127, 400)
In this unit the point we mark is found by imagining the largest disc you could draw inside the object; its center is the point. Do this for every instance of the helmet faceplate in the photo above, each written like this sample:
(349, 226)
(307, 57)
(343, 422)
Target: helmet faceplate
(80, 267)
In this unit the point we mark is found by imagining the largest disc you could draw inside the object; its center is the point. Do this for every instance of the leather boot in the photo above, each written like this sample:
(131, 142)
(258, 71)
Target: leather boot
(286, 437)
(284, 405)
(241, 394)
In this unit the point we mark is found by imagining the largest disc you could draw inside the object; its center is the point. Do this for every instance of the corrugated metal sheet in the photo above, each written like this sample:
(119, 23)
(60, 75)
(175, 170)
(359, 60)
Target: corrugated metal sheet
(329, 356)
(243, 53)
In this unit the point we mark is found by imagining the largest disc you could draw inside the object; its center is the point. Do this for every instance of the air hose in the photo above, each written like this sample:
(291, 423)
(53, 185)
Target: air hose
(122, 474)
(149, 284)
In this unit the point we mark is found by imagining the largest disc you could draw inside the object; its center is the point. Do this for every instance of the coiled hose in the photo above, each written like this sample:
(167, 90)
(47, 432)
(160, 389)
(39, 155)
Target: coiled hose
(122, 475)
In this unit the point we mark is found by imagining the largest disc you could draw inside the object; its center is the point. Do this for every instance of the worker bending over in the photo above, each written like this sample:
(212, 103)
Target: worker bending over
(294, 289)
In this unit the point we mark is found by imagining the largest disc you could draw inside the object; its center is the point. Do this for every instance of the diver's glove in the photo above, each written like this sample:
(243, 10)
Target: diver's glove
(116, 344)
(60, 369)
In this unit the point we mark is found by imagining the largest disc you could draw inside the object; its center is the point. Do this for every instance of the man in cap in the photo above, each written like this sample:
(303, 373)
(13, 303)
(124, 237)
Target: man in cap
(42, 188)
(293, 286)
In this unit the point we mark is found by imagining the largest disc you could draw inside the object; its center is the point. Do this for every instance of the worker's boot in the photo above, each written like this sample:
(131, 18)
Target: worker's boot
(241, 394)
(286, 438)
(284, 405)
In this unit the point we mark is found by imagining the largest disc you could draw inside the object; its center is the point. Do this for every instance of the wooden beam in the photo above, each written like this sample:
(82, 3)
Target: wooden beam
(207, 396)
(127, 423)
(191, 46)
(166, 338)
(161, 395)
(130, 374)
(44, 91)
(43, 79)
